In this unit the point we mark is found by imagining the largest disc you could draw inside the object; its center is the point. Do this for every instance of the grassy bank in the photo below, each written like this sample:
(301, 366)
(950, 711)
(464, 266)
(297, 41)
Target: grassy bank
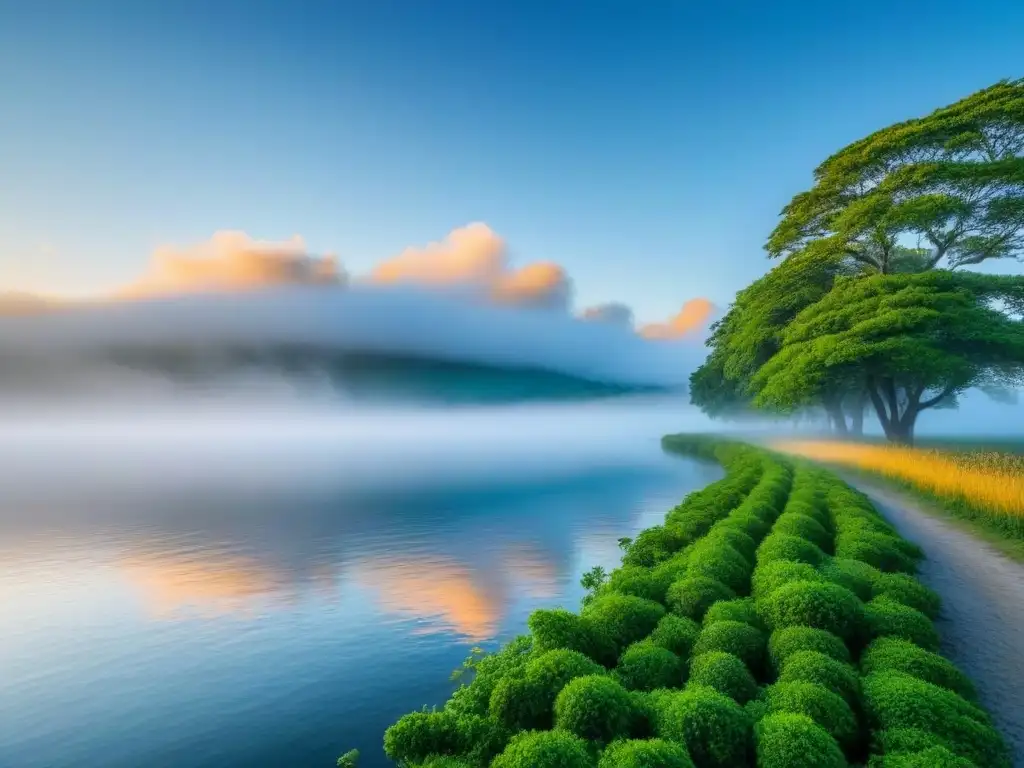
(980, 488)
(772, 620)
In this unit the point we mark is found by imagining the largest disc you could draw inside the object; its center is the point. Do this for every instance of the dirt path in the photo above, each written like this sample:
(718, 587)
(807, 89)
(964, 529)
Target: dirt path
(982, 622)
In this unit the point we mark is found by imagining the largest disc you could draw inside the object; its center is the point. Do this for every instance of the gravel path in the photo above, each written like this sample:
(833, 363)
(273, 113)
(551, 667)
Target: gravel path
(982, 622)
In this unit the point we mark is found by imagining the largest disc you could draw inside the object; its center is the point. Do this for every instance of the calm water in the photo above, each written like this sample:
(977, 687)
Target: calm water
(191, 612)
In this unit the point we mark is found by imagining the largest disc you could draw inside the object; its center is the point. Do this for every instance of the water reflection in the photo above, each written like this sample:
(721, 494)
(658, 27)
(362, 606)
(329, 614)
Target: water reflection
(232, 628)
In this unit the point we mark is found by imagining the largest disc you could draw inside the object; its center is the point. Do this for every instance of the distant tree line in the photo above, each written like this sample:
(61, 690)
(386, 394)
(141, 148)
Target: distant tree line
(872, 307)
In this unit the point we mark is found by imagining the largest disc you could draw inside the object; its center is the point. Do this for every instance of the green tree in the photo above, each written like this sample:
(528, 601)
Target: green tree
(915, 340)
(954, 179)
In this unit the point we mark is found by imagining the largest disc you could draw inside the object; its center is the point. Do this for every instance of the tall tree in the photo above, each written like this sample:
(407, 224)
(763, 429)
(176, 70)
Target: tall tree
(915, 340)
(953, 179)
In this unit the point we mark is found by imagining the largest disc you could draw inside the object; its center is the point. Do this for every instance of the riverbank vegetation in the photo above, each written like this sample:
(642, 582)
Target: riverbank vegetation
(773, 620)
(984, 488)
(873, 307)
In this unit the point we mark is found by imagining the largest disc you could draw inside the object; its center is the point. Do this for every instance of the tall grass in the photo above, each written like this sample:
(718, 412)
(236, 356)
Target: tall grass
(985, 486)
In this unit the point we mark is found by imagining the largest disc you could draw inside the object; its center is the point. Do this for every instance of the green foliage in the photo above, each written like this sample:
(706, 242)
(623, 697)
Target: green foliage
(592, 581)
(596, 708)
(487, 670)
(856, 576)
(420, 735)
(905, 740)
(781, 546)
(692, 596)
(725, 673)
(545, 749)
(623, 618)
(804, 527)
(349, 760)
(825, 708)
(771, 575)
(785, 642)
(715, 559)
(908, 591)
(741, 609)
(732, 531)
(933, 757)
(793, 740)
(716, 730)
(814, 604)
(893, 653)
(557, 628)
(638, 581)
(878, 550)
(887, 618)
(741, 640)
(895, 700)
(647, 753)
(645, 666)
(676, 633)
(816, 667)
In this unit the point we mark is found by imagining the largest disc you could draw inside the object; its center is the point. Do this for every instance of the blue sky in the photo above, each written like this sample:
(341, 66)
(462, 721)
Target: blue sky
(645, 146)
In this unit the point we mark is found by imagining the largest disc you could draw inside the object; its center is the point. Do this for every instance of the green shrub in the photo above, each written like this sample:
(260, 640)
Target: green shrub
(727, 532)
(522, 702)
(905, 740)
(742, 610)
(718, 561)
(676, 633)
(785, 642)
(671, 570)
(693, 595)
(653, 545)
(648, 753)
(725, 673)
(875, 549)
(741, 640)
(596, 708)
(856, 576)
(473, 699)
(820, 605)
(780, 546)
(756, 709)
(825, 708)
(638, 581)
(770, 576)
(910, 592)
(809, 505)
(444, 761)
(894, 653)
(645, 666)
(791, 740)
(804, 527)
(545, 749)
(887, 618)
(934, 757)
(419, 735)
(753, 526)
(816, 667)
(716, 730)
(557, 628)
(624, 618)
(895, 700)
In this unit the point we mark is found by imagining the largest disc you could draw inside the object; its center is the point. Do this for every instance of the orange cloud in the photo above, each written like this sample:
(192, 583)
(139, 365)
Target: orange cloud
(476, 256)
(691, 319)
(233, 261)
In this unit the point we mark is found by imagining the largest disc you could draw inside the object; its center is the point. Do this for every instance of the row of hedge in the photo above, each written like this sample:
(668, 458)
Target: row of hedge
(772, 620)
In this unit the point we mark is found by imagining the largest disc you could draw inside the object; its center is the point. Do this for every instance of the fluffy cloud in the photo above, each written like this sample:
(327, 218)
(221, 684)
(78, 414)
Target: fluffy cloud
(692, 320)
(475, 257)
(233, 261)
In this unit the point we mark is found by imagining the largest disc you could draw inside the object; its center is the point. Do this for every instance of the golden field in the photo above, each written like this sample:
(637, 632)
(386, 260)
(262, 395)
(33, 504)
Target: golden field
(989, 483)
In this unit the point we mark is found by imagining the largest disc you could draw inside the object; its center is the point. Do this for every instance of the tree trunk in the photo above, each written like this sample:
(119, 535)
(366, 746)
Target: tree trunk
(834, 409)
(857, 416)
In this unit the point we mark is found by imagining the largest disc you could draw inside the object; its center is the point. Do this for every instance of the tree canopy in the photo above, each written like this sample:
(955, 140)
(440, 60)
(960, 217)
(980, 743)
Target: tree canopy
(953, 179)
(913, 340)
(852, 316)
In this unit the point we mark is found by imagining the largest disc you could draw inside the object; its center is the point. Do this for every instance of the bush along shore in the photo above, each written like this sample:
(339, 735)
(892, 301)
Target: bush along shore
(773, 620)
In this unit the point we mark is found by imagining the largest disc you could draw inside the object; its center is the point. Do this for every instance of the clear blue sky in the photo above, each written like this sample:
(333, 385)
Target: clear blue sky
(647, 146)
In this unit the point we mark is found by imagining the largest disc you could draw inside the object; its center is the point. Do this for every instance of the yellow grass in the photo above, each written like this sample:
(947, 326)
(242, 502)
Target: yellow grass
(989, 481)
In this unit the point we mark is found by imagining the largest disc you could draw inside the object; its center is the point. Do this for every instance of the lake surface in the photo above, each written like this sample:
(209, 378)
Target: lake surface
(206, 611)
